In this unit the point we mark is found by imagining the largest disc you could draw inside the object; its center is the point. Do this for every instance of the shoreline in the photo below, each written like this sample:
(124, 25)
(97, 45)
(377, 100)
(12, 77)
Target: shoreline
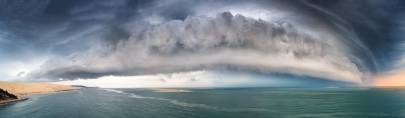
(5, 102)
(24, 90)
(23, 97)
(52, 92)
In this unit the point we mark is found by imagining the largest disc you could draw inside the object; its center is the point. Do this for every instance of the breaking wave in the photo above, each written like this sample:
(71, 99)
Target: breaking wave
(185, 104)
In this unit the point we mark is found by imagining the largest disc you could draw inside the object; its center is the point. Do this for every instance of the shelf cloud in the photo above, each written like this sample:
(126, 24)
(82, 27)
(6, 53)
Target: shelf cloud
(204, 42)
(69, 40)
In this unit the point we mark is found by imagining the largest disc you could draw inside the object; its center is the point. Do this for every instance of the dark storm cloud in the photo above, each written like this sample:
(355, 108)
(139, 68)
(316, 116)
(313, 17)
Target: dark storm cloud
(374, 22)
(77, 32)
(45, 26)
(41, 29)
(222, 40)
(225, 39)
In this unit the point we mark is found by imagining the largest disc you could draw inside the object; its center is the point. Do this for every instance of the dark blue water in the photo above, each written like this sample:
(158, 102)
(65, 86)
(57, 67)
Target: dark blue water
(214, 103)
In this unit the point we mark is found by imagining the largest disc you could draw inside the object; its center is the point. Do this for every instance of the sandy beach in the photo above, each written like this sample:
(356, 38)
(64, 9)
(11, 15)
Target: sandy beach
(23, 89)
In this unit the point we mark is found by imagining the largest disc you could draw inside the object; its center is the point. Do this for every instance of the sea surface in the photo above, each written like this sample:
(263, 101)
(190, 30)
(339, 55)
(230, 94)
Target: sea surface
(213, 103)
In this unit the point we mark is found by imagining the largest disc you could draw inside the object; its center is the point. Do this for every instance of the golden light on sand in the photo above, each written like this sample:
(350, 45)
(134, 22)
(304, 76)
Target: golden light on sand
(390, 80)
(33, 88)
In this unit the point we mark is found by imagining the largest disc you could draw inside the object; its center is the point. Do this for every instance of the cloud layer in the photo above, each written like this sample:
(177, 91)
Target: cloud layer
(340, 41)
(203, 79)
(201, 42)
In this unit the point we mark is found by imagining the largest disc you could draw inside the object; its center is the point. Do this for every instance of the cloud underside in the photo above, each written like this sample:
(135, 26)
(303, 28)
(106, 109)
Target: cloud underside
(225, 41)
(203, 79)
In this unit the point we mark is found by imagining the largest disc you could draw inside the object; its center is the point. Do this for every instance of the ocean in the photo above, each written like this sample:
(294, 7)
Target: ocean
(213, 103)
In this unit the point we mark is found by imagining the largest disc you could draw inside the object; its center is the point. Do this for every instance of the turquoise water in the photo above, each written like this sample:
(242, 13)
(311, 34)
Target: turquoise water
(213, 103)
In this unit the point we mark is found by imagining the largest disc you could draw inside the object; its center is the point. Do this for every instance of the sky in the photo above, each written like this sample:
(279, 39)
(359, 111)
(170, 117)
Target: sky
(222, 42)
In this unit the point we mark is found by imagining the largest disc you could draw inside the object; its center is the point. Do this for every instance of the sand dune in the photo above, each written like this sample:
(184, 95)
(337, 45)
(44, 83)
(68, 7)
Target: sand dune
(33, 88)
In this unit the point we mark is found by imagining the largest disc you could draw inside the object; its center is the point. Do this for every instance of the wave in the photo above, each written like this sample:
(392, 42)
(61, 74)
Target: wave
(186, 104)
